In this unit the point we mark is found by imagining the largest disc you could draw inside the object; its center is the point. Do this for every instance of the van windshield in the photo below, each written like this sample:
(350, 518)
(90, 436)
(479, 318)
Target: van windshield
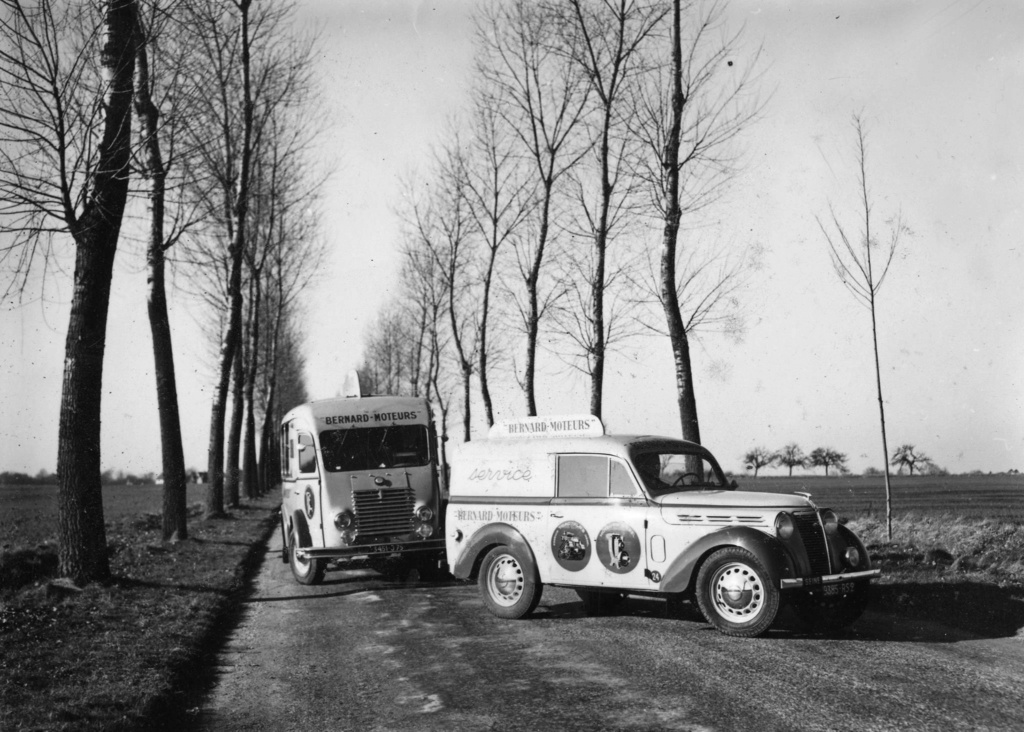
(664, 471)
(373, 448)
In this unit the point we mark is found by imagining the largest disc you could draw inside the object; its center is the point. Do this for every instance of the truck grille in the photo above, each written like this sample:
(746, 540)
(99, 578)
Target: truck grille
(383, 512)
(813, 536)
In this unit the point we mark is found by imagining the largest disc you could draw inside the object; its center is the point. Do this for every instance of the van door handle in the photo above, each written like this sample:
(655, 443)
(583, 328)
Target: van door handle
(556, 515)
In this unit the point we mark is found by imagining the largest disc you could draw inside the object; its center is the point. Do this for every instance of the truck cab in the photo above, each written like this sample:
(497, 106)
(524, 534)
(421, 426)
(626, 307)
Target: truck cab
(360, 477)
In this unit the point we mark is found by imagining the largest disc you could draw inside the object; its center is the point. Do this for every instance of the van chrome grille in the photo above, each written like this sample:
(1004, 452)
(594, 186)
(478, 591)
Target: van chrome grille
(813, 536)
(383, 511)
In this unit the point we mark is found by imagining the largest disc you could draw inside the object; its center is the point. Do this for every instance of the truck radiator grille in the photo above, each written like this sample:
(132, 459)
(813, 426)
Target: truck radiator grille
(383, 512)
(813, 536)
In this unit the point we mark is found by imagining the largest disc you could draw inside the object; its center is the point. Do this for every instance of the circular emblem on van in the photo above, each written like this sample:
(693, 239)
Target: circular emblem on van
(310, 503)
(570, 546)
(618, 548)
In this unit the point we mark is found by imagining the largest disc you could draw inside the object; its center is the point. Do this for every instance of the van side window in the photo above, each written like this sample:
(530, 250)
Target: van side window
(620, 481)
(582, 476)
(307, 454)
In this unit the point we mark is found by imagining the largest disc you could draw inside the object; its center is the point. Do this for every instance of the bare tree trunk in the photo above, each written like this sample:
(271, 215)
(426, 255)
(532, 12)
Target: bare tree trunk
(232, 335)
(881, 409)
(175, 523)
(249, 436)
(596, 357)
(685, 395)
(268, 468)
(215, 456)
(82, 542)
(82, 545)
(485, 392)
(533, 316)
(231, 472)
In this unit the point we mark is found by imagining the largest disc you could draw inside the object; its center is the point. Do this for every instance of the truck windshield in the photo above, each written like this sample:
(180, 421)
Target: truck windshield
(370, 448)
(668, 472)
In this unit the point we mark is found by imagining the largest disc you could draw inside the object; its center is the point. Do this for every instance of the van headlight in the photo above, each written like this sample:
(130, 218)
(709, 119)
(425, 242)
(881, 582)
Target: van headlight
(852, 556)
(784, 525)
(424, 513)
(343, 520)
(830, 521)
(425, 531)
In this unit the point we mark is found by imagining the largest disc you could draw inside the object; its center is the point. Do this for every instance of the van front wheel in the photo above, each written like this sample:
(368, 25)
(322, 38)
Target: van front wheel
(735, 593)
(509, 583)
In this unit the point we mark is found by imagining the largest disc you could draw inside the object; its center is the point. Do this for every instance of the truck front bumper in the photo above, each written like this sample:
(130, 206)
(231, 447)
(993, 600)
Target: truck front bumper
(364, 550)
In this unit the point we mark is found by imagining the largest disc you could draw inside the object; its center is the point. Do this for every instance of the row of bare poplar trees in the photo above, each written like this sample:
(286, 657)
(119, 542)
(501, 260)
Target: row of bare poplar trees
(561, 210)
(177, 123)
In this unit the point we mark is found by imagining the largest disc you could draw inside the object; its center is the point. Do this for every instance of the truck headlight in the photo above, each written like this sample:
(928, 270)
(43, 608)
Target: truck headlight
(348, 536)
(830, 521)
(852, 556)
(343, 520)
(784, 525)
(424, 513)
(424, 530)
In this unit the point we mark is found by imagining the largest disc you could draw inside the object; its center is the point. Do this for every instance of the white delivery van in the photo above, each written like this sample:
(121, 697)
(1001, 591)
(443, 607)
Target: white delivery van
(556, 501)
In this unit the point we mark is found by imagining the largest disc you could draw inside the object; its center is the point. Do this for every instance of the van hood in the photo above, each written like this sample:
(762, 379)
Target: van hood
(739, 499)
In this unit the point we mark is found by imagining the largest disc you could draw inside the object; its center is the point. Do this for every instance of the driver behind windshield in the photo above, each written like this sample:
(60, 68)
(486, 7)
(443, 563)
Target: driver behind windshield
(649, 466)
(668, 472)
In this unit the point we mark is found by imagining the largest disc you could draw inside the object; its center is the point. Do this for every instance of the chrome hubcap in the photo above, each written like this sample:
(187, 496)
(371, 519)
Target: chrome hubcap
(737, 593)
(505, 580)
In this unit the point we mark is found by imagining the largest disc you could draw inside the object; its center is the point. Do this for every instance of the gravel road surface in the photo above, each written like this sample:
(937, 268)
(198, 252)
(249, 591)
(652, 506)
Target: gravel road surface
(361, 652)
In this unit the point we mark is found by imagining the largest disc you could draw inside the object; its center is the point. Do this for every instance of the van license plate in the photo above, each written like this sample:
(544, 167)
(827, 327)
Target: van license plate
(843, 588)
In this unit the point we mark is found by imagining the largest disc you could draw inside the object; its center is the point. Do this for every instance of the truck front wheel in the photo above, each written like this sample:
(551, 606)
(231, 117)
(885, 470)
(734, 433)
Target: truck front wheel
(307, 571)
(509, 583)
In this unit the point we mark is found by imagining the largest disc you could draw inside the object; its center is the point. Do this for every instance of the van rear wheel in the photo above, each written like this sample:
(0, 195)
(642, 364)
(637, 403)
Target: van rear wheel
(509, 583)
(306, 570)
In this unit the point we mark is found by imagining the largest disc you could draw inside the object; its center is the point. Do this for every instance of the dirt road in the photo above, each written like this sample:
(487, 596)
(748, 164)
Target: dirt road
(363, 653)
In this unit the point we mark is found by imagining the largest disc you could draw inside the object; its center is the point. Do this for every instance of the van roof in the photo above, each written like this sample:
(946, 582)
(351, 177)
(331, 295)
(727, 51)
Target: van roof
(605, 444)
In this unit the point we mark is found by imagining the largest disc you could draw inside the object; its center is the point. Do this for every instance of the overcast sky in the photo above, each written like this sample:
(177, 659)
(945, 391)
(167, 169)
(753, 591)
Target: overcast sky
(941, 88)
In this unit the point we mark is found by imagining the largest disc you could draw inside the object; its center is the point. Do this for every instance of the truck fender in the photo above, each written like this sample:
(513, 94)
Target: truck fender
(301, 528)
(284, 537)
(483, 541)
(767, 549)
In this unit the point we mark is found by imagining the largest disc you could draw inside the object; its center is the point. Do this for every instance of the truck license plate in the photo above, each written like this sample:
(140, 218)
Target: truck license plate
(386, 549)
(843, 588)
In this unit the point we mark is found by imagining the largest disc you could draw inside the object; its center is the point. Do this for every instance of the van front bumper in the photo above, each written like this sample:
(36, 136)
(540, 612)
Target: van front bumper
(829, 579)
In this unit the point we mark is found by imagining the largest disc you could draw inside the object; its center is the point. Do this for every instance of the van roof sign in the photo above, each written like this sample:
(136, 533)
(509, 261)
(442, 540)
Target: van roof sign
(572, 425)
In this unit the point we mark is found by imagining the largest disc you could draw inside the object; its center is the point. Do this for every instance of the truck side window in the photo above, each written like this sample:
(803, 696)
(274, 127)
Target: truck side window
(582, 476)
(286, 463)
(307, 454)
(620, 482)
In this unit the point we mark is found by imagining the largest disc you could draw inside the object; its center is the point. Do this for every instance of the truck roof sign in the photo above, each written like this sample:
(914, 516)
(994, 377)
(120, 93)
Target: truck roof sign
(573, 425)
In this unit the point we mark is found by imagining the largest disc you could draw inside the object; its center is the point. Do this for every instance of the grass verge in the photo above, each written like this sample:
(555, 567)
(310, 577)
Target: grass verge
(965, 573)
(130, 653)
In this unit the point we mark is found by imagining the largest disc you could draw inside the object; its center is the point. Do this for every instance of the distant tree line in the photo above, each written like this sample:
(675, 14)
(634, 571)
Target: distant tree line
(905, 457)
(185, 124)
